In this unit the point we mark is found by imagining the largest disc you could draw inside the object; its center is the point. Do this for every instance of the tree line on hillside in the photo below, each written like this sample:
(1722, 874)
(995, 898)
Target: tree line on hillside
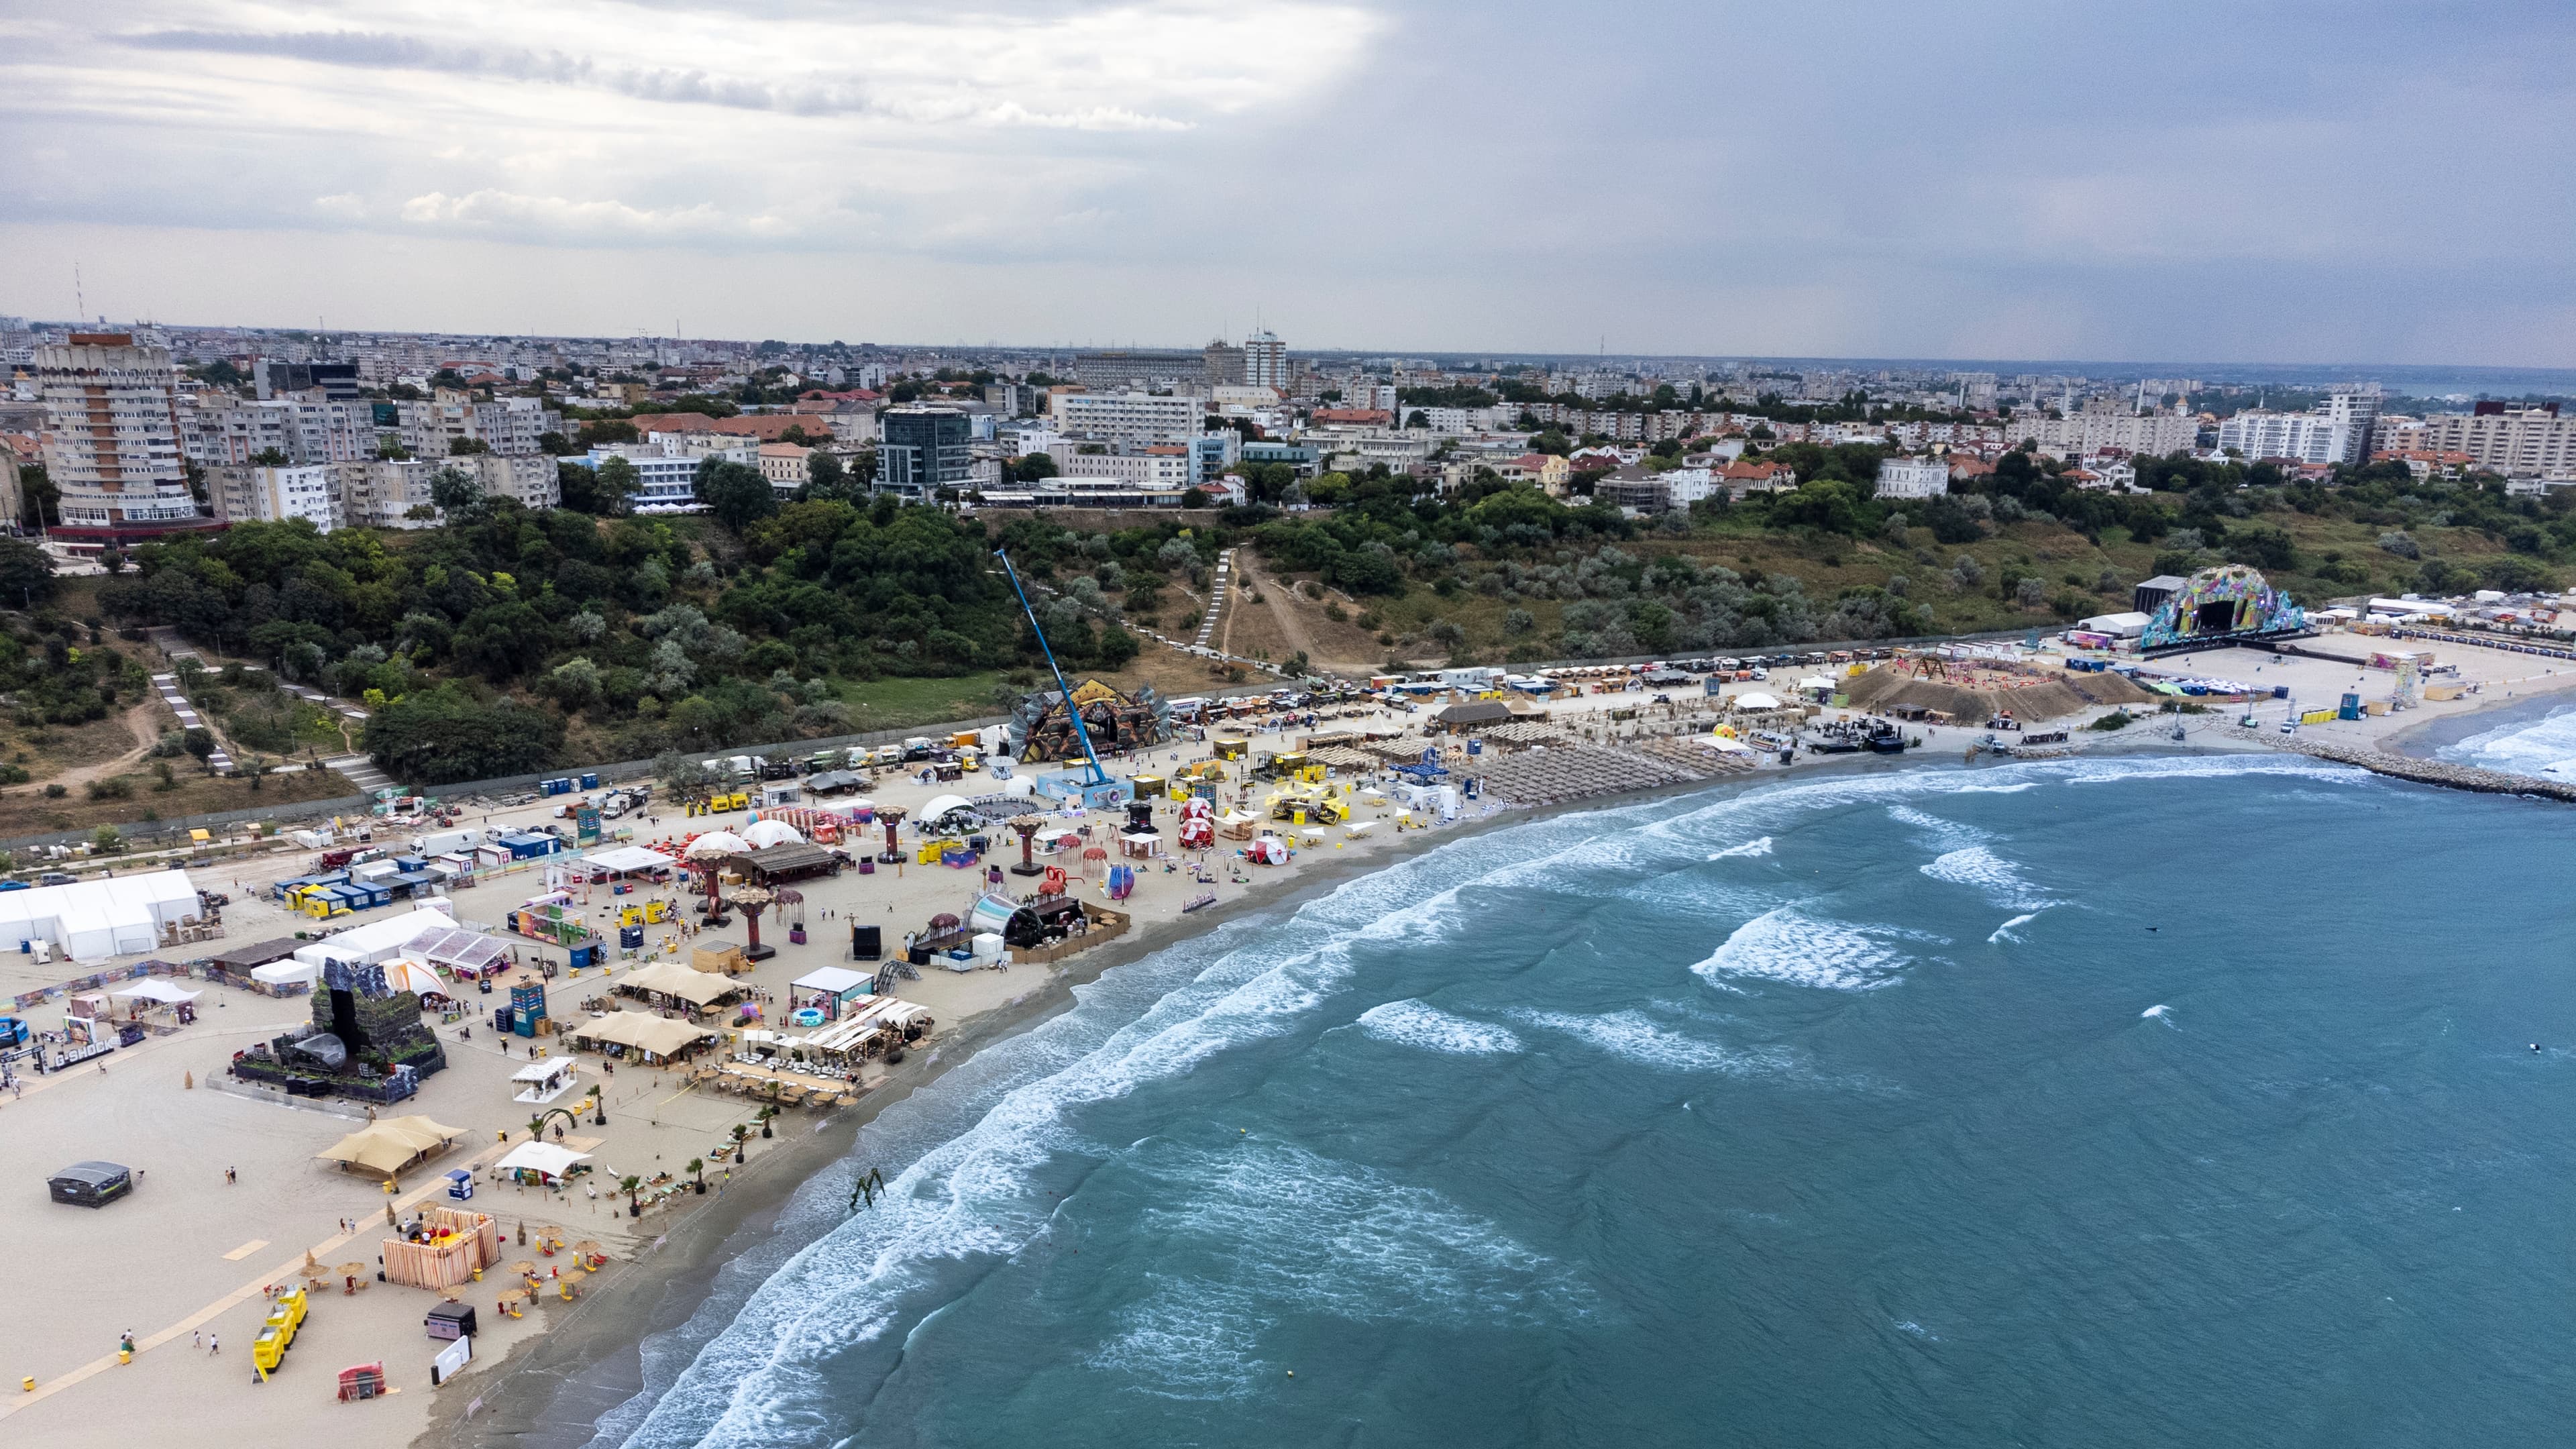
(478, 645)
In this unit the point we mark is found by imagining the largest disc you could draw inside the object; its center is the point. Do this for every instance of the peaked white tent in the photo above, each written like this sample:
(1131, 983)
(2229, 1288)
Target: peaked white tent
(377, 940)
(92, 920)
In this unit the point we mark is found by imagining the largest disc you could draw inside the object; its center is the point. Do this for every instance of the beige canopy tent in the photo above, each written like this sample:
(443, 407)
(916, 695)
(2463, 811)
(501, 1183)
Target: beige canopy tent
(699, 989)
(657, 1038)
(391, 1145)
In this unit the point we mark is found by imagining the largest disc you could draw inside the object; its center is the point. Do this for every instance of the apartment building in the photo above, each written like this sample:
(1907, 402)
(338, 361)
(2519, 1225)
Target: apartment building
(667, 481)
(1907, 477)
(1265, 362)
(2311, 437)
(2083, 432)
(224, 431)
(1153, 476)
(111, 440)
(1131, 418)
(262, 494)
(2512, 440)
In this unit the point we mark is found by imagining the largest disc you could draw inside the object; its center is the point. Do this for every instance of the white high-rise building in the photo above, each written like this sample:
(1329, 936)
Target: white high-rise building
(1126, 417)
(1265, 361)
(2298, 437)
(111, 440)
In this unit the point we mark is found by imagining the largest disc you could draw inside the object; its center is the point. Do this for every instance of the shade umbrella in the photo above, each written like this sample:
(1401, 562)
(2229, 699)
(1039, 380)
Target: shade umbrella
(524, 1268)
(943, 922)
(589, 1247)
(351, 1270)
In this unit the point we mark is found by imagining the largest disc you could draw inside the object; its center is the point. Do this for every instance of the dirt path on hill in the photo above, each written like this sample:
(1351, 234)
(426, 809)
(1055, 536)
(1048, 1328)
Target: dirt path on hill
(1299, 641)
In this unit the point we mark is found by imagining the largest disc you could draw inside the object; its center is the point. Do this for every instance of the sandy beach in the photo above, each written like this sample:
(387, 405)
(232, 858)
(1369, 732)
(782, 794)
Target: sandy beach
(188, 1257)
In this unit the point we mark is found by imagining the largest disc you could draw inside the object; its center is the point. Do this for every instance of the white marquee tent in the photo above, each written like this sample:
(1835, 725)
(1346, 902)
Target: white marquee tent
(377, 940)
(95, 919)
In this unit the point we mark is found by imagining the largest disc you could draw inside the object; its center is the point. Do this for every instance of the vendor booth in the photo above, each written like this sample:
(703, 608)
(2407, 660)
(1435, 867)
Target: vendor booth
(541, 1082)
(832, 990)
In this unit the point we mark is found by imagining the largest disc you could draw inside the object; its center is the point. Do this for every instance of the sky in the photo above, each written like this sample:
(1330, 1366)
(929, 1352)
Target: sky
(2237, 182)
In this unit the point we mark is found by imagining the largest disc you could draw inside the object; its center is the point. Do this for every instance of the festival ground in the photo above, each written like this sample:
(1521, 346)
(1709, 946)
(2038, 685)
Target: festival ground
(190, 1252)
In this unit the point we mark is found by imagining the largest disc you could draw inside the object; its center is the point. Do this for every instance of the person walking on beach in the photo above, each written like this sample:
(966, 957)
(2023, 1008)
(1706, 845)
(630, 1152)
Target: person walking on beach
(230, 1178)
(215, 1344)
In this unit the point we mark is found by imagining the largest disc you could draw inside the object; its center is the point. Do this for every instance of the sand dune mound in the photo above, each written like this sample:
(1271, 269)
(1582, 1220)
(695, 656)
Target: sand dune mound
(2041, 698)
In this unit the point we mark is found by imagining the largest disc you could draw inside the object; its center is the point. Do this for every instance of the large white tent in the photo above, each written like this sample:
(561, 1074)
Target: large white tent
(624, 858)
(377, 940)
(92, 920)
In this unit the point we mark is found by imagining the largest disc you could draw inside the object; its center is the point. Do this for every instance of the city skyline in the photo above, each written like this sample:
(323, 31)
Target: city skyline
(1663, 181)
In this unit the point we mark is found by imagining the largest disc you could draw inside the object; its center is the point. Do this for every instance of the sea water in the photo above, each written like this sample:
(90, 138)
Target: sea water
(2537, 738)
(2142, 1101)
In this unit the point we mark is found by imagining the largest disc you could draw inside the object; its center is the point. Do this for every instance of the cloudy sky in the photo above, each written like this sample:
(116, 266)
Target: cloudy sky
(2344, 182)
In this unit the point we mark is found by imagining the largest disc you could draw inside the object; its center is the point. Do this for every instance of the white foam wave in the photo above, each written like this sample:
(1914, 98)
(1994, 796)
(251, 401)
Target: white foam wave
(1758, 846)
(1256, 1228)
(1999, 789)
(1632, 1035)
(1416, 1024)
(1948, 833)
(1981, 869)
(2159, 1012)
(2004, 932)
(1783, 945)
(2545, 747)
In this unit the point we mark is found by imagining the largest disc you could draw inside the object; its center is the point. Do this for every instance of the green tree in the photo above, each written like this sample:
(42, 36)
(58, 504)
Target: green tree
(26, 574)
(453, 491)
(825, 478)
(39, 501)
(200, 742)
(735, 493)
(437, 736)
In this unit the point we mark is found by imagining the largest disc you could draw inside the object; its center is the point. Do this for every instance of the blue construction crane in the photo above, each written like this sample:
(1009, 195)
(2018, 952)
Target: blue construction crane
(1097, 776)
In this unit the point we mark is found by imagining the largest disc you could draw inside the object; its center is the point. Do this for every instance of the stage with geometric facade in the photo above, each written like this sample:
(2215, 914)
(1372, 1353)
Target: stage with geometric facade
(2222, 606)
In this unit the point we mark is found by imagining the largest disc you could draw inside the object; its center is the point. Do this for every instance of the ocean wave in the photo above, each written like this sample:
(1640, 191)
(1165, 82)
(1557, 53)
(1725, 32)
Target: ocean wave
(1980, 869)
(1760, 845)
(975, 1195)
(1416, 1024)
(1783, 945)
(2012, 789)
(1948, 833)
(1254, 1230)
(2544, 748)
(1633, 1035)
(2004, 932)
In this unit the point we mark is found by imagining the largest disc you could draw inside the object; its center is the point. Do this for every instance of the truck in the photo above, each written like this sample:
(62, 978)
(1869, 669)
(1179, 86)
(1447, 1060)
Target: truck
(447, 842)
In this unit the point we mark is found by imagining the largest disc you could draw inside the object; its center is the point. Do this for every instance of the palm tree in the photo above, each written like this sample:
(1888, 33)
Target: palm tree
(698, 1174)
(740, 1132)
(767, 1111)
(629, 1185)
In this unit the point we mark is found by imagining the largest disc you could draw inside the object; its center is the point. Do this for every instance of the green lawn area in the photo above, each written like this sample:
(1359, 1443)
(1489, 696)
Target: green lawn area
(896, 703)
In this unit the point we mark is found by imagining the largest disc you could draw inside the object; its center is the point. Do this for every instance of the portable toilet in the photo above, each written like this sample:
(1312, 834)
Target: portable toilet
(590, 780)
